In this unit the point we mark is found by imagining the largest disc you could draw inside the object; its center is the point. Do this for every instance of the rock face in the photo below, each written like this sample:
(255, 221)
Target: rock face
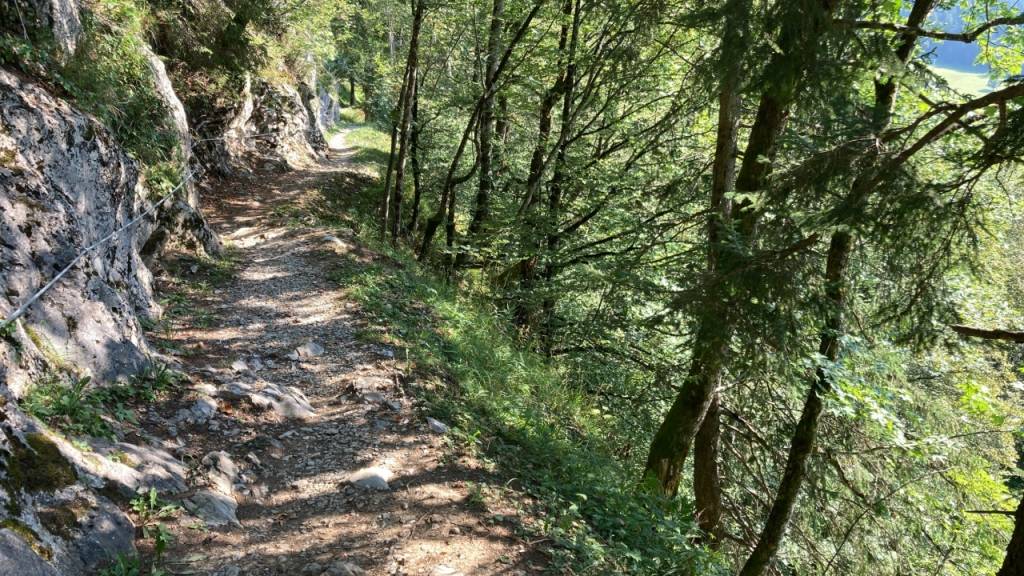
(182, 217)
(65, 184)
(330, 110)
(273, 128)
(314, 131)
(61, 18)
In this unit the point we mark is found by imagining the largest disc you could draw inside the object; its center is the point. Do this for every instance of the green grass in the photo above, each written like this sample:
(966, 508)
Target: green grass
(970, 83)
(511, 406)
(352, 115)
(372, 147)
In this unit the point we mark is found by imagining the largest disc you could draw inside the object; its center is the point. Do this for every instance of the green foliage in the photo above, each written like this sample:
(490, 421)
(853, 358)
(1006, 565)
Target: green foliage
(352, 116)
(150, 510)
(123, 566)
(78, 408)
(109, 77)
(512, 406)
(70, 406)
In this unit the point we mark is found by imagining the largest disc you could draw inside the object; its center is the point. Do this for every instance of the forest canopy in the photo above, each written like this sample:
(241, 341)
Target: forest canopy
(764, 238)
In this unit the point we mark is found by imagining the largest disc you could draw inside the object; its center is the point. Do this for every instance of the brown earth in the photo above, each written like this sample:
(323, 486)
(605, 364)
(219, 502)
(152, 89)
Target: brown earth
(299, 512)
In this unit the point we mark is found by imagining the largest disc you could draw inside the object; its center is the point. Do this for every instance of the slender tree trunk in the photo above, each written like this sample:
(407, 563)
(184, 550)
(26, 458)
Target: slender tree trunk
(351, 92)
(836, 282)
(558, 177)
(501, 130)
(414, 157)
(411, 65)
(451, 180)
(802, 444)
(802, 26)
(707, 485)
(385, 205)
(1013, 564)
(525, 309)
(707, 482)
(481, 209)
(449, 237)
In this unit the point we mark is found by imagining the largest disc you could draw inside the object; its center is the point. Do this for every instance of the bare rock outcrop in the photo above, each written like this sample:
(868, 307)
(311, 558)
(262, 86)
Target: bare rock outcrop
(59, 18)
(330, 109)
(64, 184)
(181, 219)
(273, 128)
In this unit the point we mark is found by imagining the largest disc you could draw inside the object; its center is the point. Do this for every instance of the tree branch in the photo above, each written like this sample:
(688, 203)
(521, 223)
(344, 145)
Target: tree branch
(968, 36)
(996, 334)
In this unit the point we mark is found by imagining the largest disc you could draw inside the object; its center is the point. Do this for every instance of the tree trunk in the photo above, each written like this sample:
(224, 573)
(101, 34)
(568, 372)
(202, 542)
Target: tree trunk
(351, 92)
(385, 205)
(414, 157)
(707, 483)
(707, 487)
(558, 178)
(501, 130)
(802, 444)
(525, 311)
(450, 181)
(1013, 564)
(836, 281)
(481, 209)
(798, 40)
(411, 65)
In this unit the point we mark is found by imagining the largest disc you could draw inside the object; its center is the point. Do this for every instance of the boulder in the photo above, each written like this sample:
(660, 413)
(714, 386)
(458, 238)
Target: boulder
(213, 508)
(273, 127)
(51, 520)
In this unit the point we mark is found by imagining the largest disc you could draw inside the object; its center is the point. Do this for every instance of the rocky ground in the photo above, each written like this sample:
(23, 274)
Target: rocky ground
(305, 453)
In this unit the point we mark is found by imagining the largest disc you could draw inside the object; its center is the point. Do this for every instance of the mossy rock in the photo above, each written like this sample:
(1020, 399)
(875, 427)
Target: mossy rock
(61, 520)
(39, 466)
(29, 536)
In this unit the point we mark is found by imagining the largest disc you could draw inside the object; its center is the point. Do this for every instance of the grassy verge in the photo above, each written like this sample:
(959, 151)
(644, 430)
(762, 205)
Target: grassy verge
(508, 405)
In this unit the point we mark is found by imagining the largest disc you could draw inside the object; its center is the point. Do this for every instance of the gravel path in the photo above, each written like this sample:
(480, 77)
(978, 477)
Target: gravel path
(333, 469)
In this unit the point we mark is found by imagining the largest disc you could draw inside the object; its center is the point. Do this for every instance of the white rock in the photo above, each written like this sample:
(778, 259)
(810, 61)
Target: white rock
(374, 397)
(437, 426)
(212, 507)
(341, 568)
(308, 350)
(373, 478)
(221, 470)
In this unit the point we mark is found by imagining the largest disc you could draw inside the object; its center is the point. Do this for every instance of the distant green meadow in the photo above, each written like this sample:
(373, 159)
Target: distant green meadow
(973, 83)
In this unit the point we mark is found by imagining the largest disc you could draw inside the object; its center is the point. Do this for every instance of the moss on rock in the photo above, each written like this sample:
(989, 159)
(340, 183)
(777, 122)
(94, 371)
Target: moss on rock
(29, 536)
(39, 465)
(60, 520)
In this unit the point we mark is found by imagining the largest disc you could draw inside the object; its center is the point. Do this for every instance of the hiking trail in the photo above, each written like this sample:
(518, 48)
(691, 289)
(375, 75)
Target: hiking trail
(333, 469)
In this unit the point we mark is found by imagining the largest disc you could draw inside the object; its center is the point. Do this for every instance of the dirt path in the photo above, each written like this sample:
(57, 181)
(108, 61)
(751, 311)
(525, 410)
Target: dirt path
(300, 509)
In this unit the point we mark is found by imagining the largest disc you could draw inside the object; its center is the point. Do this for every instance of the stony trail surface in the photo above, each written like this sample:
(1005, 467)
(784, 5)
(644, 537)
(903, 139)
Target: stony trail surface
(302, 426)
